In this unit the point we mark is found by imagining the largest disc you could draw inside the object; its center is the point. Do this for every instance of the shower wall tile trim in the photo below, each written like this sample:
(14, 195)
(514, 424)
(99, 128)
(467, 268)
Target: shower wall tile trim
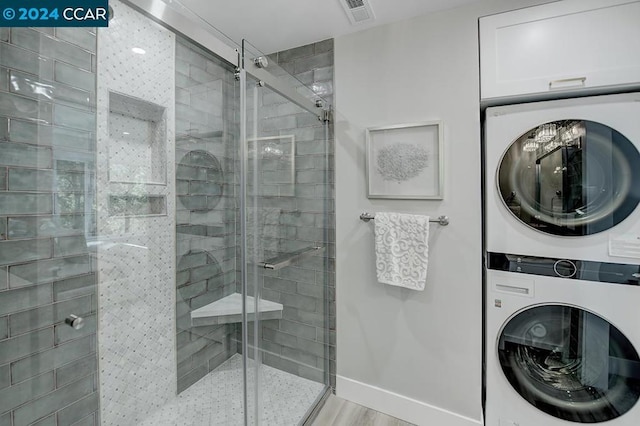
(136, 265)
(47, 187)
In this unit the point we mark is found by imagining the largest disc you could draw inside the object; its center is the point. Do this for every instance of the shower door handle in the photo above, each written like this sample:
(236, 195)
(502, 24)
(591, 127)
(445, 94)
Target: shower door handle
(288, 259)
(75, 321)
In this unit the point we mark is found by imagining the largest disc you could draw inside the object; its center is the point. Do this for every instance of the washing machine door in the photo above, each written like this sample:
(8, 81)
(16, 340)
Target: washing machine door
(570, 177)
(570, 363)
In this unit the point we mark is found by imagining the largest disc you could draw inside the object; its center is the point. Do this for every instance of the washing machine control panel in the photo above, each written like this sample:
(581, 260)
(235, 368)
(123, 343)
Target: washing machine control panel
(615, 273)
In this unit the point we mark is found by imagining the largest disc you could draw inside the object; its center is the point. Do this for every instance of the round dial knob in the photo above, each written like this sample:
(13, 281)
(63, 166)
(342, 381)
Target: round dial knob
(565, 268)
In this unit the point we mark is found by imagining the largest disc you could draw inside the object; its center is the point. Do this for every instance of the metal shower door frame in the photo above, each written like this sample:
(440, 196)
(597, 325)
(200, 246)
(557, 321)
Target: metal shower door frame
(202, 34)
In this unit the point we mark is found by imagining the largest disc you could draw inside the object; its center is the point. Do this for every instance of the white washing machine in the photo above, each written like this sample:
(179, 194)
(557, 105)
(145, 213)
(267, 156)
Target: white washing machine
(561, 351)
(562, 179)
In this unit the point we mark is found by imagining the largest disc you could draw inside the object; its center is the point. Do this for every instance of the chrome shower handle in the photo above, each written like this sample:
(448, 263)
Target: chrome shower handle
(75, 321)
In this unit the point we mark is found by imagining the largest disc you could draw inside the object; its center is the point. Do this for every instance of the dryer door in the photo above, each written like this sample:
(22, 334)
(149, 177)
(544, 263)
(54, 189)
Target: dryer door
(570, 177)
(570, 363)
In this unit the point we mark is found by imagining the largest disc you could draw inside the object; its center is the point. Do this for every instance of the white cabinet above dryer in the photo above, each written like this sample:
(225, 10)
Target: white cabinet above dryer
(560, 49)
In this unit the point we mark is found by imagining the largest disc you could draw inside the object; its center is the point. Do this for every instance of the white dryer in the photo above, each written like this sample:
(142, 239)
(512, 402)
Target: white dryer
(561, 351)
(562, 179)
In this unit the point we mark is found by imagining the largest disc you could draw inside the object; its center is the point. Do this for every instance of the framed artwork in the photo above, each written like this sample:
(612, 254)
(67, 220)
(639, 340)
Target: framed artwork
(405, 161)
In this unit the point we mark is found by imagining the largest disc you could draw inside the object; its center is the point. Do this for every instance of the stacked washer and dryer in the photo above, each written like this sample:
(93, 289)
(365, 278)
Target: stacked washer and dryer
(562, 232)
(561, 213)
(563, 254)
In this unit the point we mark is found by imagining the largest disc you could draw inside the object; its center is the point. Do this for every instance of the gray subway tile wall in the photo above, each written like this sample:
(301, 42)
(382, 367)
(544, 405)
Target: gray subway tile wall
(24, 250)
(68, 74)
(48, 370)
(52, 358)
(4, 79)
(206, 135)
(75, 413)
(20, 59)
(5, 376)
(36, 41)
(27, 390)
(24, 84)
(85, 39)
(14, 154)
(43, 271)
(22, 107)
(4, 328)
(34, 319)
(47, 421)
(41, 226)
(53, 401)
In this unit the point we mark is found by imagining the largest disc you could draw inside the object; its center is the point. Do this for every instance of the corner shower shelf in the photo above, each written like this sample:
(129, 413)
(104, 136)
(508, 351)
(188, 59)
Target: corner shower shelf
(229, 310)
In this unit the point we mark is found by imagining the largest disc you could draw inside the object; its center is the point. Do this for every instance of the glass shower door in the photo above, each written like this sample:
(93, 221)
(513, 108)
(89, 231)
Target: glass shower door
(120, 201)
(287, 199)
(48, 284)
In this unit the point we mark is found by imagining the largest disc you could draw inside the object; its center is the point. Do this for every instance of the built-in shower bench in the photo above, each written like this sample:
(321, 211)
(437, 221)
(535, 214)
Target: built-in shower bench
(229, 310)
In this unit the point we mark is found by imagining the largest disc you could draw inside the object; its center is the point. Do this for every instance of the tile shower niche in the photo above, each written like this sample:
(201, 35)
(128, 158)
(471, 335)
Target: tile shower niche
(137, 155)
(137, 141)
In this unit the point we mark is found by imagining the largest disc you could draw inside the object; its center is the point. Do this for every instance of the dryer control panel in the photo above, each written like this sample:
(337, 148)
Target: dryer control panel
(614, 273)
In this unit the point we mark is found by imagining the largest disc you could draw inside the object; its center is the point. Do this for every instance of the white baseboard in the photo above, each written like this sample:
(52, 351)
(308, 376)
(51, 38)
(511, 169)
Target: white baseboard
(402, 407)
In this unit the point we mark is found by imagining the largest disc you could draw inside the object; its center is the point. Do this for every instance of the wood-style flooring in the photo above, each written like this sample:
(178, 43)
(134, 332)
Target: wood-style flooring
(340, 412)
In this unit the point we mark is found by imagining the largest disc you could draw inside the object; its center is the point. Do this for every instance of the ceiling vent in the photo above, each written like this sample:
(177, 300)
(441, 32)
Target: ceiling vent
(358, 11)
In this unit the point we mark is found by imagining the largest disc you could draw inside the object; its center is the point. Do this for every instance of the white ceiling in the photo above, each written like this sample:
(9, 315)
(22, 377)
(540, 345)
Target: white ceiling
(274, 25)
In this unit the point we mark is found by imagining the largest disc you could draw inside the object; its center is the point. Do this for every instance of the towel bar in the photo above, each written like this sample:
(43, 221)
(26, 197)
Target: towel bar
(441, 220)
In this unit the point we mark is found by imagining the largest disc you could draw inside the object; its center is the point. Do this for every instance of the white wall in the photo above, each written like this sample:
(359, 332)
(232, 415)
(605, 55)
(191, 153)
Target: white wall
(414, 355)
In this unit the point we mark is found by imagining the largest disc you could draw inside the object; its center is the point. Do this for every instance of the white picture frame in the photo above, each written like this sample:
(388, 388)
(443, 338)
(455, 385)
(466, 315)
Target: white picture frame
(405, 161)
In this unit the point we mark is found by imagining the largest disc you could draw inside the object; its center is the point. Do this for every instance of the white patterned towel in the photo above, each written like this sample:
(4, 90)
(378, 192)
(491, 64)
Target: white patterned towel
(402, 249)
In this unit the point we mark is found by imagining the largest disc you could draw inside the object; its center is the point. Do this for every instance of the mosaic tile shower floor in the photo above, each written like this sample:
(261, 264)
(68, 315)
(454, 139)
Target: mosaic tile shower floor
(216, 400)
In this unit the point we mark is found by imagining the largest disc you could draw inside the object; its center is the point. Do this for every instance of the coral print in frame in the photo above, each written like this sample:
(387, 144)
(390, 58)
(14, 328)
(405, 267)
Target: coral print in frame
(405, 161)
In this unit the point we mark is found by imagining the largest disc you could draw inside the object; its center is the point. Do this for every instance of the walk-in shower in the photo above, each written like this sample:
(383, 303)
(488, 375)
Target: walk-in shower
(166, 226)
